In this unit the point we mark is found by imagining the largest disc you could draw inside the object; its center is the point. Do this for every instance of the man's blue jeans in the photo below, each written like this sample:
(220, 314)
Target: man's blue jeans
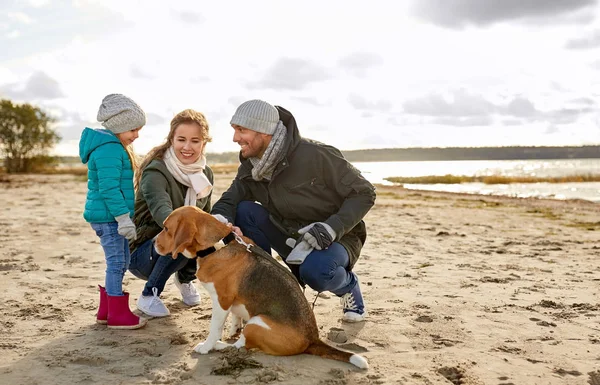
(150, 266)
(322, 270)
(116, 253)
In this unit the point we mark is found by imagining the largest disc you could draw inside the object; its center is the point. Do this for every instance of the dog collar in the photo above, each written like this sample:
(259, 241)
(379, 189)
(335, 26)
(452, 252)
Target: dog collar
(230, 237)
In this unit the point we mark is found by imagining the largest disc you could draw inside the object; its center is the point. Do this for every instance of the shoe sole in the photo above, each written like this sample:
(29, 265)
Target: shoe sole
(126, 327)
(195, 303)
(355, 320)
(101, 321)
(153, 314)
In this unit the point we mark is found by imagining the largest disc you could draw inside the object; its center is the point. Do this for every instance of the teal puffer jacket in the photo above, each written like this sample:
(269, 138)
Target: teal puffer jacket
(110, 176)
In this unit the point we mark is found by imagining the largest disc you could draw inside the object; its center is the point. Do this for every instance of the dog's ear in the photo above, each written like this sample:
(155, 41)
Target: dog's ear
(184, 231)
(209, 230)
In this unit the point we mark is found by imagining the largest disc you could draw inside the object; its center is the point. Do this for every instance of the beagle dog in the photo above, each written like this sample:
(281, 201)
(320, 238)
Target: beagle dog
(256, 289)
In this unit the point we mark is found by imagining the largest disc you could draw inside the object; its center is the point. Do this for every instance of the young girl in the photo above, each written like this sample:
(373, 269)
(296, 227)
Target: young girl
(109, 201)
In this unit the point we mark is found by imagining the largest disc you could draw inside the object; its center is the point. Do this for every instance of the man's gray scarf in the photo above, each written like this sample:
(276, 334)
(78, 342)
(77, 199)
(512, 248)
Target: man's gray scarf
(264, 167)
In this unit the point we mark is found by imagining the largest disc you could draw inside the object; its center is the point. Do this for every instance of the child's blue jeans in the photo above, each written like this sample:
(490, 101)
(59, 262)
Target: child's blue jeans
(322, 270)
(116, 253)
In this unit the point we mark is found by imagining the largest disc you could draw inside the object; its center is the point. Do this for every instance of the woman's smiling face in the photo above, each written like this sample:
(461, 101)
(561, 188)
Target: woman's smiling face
(188, 143)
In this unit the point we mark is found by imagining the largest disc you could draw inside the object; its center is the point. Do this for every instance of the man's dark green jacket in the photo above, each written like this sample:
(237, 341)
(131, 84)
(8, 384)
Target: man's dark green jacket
(312, 182)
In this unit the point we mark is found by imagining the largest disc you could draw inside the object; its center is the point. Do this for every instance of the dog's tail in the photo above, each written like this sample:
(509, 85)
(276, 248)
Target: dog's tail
(320, 348)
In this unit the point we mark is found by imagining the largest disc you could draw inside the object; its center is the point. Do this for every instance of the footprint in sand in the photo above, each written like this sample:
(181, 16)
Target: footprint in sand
(594, 378)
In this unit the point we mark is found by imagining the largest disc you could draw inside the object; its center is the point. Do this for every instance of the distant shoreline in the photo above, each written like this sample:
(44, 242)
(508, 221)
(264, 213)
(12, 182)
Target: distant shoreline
(415, 154)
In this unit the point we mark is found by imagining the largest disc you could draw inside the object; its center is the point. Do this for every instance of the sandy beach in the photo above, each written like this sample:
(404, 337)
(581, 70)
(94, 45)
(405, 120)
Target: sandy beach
(460, 289)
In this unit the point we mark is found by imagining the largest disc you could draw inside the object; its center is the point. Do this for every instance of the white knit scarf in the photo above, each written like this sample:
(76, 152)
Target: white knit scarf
(264, 167)
(190, 175)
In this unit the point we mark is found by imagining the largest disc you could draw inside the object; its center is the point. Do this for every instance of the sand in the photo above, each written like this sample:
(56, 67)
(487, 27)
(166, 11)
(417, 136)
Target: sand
(461, 289)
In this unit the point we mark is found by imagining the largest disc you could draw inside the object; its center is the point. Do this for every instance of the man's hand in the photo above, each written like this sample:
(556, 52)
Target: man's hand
(237, 230)
(318, 235)
(126, 227)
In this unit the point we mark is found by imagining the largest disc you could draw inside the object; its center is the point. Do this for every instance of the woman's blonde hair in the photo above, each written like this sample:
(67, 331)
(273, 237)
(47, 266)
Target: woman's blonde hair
(186, 116)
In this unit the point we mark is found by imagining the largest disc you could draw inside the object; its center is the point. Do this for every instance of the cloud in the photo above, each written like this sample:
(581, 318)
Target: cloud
(360, 62)
(470, 121)
(566, 115)
(20, 17)
(189, 17)
(13, 34)
(70, 124)
(154, 119)
(138, 73)
(463, 109)
(38, 3)
(590, 41)
(512, 122)
(461, 103)
(235, 101)
(461, 13)
(291, 74)
(310, 100)
(41, 27)
(585, 101)
(361, 103)
(39, 86)
(595, 65)
(520, 107)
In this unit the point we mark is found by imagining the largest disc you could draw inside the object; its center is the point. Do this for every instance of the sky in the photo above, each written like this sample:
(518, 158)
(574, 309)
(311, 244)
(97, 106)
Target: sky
(355, 74)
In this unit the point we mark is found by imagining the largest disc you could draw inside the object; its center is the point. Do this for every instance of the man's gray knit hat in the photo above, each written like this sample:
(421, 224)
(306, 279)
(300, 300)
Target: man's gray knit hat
(256, 115)
(118, 114)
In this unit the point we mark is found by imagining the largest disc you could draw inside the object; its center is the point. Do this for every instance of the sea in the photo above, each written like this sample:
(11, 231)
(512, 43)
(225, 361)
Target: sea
(376, 172)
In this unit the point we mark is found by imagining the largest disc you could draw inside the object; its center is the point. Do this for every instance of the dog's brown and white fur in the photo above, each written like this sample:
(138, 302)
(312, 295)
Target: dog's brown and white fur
(278, 318)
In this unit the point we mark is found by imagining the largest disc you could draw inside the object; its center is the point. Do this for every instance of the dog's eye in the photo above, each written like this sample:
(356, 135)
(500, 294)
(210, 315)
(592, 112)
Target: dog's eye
(166, 230)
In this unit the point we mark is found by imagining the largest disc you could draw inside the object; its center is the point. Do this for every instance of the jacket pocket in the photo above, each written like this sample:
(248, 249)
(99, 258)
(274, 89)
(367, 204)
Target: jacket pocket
(308, 200)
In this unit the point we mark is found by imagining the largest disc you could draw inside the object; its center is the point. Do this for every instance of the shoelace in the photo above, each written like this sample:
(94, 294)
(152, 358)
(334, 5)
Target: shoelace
(155, 297)
(348, 302)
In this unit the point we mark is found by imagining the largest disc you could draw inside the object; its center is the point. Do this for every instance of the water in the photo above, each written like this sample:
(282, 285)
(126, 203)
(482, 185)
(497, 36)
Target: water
(375, 172)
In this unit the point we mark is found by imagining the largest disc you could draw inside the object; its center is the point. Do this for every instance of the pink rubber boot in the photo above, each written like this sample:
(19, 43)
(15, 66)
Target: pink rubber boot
(102, 314)
(119, 315)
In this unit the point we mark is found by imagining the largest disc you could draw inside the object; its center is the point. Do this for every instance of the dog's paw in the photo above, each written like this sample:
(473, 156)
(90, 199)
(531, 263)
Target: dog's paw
(220, 345)
(203, 348)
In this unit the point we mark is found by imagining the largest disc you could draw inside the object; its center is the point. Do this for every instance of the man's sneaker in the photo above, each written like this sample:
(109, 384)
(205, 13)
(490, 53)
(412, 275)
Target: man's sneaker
(189, 294)
(152, 305)
(354, 307)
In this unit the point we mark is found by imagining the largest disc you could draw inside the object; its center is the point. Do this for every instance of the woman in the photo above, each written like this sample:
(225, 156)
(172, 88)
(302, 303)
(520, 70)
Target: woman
(172, 175)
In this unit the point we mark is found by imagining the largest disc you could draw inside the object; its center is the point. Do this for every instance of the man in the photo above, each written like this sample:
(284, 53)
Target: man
(301, 198)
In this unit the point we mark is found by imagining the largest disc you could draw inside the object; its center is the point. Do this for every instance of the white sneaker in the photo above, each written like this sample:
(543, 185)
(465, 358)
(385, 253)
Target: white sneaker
(152, 305)
(189, 294)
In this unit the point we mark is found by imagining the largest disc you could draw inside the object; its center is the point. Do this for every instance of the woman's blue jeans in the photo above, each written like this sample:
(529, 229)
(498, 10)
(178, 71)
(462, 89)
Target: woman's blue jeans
(116, 253)
(322, 270)
(150, 266)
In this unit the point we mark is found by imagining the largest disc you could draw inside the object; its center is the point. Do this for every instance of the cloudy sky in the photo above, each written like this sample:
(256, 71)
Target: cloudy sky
(355, 74)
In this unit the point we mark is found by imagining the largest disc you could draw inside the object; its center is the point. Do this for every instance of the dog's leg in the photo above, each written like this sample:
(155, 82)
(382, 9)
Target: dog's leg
(241, 342)
(236, 325)
(217, 321)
